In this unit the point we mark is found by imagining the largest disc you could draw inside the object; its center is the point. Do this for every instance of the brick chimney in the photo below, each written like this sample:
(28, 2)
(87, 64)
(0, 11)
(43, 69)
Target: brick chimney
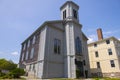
(99, 33)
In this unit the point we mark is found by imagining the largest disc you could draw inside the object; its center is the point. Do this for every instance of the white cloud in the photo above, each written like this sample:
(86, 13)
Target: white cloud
(15, 53)
(110, 33)
(92, 38)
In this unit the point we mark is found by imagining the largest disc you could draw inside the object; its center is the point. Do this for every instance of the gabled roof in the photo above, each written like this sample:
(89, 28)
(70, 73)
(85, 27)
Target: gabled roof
(52, 22)
(112, 37)
(42, 26)
(84, 36)
(68, 2)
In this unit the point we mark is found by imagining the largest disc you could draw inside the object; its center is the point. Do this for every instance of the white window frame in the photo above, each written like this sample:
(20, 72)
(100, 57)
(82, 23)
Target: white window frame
(26, 58)
(24, 46)
(22, 57)
(28, 44)
(32, 53)
(34, 38)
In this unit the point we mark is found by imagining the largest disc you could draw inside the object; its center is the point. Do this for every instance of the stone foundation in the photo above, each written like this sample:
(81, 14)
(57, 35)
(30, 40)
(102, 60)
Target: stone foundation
(112, 74)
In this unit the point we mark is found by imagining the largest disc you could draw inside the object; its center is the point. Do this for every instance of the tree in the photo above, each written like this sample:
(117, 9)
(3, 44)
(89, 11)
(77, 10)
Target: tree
(7, 65)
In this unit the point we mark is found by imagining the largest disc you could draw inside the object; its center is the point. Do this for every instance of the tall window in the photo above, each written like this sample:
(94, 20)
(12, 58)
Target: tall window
(28, 43)
(64, 14)
(30, 67)
(33, 67)
(78, 46)
(22, 57)
(107, 41)
(24, 46)
(96, 54)
(84, 62)
(112, 63)
(109, 51)
(32, 53)
(34, 40)
(26, 58)
(75, 13)
(98, 64)
(57, 46)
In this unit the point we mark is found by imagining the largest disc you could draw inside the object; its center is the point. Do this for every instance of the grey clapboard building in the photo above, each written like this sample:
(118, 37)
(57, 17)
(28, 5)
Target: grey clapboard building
(57, 48)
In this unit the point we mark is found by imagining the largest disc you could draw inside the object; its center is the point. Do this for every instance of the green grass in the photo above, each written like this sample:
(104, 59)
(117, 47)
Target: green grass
(88, 79)
(106, 78)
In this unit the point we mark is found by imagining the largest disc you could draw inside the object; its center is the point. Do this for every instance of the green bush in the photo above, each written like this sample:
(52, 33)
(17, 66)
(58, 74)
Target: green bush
(16, 73)
(77, 73)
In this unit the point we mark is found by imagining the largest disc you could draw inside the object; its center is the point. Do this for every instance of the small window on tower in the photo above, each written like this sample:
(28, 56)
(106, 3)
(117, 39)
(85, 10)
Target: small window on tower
(64, 14)
(75, 13)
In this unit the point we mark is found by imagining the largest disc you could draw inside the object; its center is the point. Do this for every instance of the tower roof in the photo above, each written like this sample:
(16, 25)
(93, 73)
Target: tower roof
(69, 2)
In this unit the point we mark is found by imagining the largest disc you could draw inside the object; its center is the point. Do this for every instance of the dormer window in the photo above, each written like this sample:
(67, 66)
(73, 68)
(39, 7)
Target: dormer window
(75, 13)
(64, 14)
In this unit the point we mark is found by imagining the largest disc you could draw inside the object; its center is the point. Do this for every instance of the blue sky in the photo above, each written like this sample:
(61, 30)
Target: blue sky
(19, 18)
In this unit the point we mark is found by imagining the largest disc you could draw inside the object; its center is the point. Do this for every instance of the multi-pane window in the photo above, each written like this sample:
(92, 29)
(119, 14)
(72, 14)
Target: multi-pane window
(28, 43)
(57, 46)
(34, 40)
(75, 13)
(33, 67)
(32, 53)
(98, 64)
(96, 54)
(24, 46)
(26, 58)
(22, 57)
(30, 67)
(112, 63)
(64, 14)
(95, 45)
(78, 46)
(110, 51)
(84, 62)
(107, 41)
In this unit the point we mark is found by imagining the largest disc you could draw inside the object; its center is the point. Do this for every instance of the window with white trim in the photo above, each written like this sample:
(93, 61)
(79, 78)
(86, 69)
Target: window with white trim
(64, 14)
(98, 64)
(57, 46)
(24, 46)
(32, 53)
(28, 45)
(78, 46)
(34, 38)
(22, 57)
(112, 63)
(110, 51)
(26, 58)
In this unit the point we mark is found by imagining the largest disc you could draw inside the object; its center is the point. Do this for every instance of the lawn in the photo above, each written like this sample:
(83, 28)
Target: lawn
(87, 79)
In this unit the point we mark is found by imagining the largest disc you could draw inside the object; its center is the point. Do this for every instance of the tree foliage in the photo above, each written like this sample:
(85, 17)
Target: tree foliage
(14, 72)
(7, 65)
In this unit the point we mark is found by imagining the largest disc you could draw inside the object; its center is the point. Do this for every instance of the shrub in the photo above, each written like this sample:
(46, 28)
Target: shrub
(77, 73)
(16, 73)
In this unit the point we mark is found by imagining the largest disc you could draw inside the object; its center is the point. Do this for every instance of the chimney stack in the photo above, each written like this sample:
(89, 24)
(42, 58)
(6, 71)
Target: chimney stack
(99, 33)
